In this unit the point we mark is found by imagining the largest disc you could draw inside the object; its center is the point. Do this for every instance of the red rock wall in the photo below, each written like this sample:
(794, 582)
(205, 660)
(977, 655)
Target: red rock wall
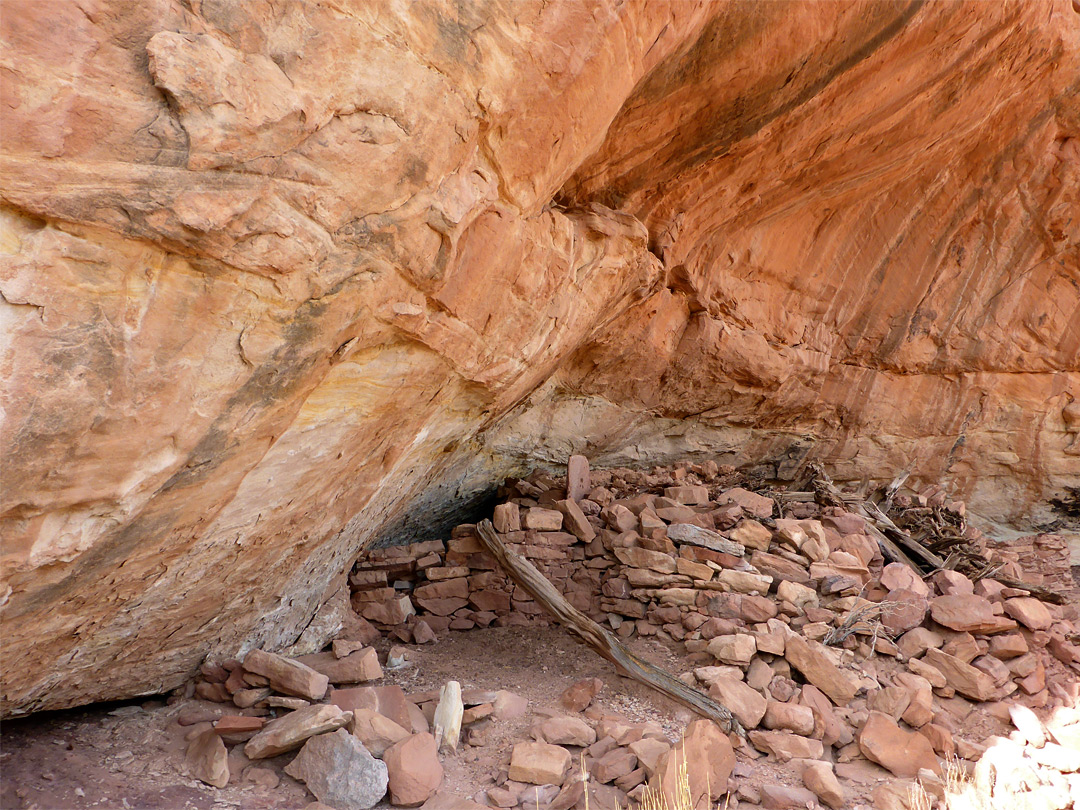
(277, 275)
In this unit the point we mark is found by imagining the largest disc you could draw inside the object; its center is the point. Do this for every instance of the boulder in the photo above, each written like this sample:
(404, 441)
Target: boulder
(903, 753)
(339, 771)
(413, 770)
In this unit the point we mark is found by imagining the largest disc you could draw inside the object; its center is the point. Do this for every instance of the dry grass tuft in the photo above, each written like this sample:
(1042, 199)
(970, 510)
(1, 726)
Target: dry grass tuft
(865, 620)
(980, 791)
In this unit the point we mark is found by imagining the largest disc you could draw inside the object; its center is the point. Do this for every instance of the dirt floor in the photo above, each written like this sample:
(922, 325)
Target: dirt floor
(131, 756)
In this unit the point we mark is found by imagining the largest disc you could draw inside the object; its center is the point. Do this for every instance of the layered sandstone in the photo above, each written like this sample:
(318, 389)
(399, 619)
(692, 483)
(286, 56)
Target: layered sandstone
(279, 280)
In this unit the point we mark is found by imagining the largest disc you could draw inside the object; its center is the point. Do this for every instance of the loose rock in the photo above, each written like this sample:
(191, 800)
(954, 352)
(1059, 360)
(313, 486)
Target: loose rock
(339, 771)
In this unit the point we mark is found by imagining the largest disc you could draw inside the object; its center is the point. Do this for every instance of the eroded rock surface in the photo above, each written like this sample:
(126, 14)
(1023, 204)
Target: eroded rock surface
(279, 280)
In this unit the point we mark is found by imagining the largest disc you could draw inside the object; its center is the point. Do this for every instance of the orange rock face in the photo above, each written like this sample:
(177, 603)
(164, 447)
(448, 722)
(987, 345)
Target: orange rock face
(278, 280)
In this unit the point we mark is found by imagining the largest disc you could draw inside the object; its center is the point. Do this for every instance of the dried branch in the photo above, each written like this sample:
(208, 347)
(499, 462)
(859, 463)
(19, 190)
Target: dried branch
(525, 574)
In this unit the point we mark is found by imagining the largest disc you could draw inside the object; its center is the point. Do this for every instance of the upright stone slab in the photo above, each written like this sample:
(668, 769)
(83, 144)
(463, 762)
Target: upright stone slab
(577, 478)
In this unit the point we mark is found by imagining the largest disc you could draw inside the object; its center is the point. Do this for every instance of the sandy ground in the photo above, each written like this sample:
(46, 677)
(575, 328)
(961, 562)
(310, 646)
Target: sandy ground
(132, 755)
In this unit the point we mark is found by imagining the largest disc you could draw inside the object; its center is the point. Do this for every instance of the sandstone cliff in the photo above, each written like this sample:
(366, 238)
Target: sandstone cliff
(279, 279)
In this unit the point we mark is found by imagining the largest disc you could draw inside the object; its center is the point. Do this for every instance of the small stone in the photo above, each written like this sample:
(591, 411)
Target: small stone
(265, 778)
(577, 697)
(575, 520)
(376, 732)
(688, 496)
(811, 659)
(892, 700)
(786, 746)
(389, 701)
(619, 518)
(246, 698)
(237, 728)
(940, 738)
(903, 753)
(757, 505)
(286, 675)
(789, 717)
(476, 713)
(1030, 612)
(646, 559)
(343, 647)
(703, 538)
(897, 576)
(422, 633)
(542, 520)
(907, 612)
(356, 667)
(208, 760)
(390, 612)
(289, 731)
(567, 731)
(799, 595)
(507, 518)
(397, 657)
(782, 797)
(649, 753)
(894, 794)
(964, 678)
(539, 763)
(918, 640)
(965, 613)
(339, 771)
(745, 582)
(736, 649)
(613, 765)
(820, 779)
(694, 570)
(1008, 645)
(951, 583)
(413, 769)
(751, 534)
(745, 703)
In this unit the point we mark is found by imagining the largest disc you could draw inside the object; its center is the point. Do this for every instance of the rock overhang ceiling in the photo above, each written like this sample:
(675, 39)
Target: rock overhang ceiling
(278, 280)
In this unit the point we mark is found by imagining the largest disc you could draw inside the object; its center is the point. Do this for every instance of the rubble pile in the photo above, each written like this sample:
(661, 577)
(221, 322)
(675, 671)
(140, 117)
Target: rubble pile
(784, 610)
